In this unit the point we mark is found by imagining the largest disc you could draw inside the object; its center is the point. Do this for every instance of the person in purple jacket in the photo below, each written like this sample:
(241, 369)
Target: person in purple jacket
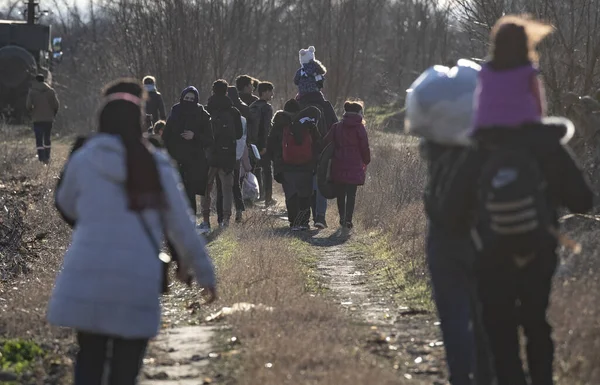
(350, 159)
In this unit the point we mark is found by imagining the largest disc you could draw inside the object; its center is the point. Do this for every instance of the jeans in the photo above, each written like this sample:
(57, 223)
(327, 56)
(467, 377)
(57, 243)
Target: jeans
(226, 179)
(43, 143)
(513, 297)
(124, 359)
(237, 193)
(451, 260)
(264, 175)
(319, 202)
(346, 199)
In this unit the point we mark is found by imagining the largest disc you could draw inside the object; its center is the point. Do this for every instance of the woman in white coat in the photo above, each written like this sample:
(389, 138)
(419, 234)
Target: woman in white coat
(121, 194)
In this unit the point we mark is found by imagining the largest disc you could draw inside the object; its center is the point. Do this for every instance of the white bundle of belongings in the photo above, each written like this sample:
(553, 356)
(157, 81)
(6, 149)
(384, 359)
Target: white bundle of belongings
(250, 189)
(439, 104)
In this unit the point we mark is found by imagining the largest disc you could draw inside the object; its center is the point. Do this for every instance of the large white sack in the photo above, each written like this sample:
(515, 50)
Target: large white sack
(439, 104)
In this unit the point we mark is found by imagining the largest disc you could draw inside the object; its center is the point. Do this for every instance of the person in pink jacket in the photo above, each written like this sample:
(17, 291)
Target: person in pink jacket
(350, 159)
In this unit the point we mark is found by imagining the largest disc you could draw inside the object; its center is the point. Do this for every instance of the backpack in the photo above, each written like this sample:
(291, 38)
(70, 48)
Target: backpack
(297, 144)
(225, 144)
(324, 182)
(514, 216)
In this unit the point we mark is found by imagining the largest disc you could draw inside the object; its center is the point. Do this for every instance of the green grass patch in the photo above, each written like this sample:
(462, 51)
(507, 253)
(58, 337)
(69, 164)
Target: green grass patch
(376, 116)
(402, 275)
(222, 249)
(19, 357)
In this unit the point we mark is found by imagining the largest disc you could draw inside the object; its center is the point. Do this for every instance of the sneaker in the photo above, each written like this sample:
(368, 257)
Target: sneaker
(203, 227)
(238, 216)
(304, 228)
(270, 202)
(320, 223)
(224, 224)
(349, 225)
(296, 228)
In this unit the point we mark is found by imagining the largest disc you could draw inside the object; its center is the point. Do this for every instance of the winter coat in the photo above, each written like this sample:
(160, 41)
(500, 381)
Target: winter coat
(189, 154)
(309, 77)
(318, 100)
(110, 282)
(260, 123)
(352, 154)
(221, 106)
(284, 119)
(155, 106)
(42, 102)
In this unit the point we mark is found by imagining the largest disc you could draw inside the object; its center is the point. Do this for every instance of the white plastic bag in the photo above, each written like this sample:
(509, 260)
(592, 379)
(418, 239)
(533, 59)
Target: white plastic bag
(439, 104)
(250, 189)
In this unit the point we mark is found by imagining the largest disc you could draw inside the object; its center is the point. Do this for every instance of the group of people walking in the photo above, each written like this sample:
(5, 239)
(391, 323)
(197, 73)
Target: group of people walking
(236, 133)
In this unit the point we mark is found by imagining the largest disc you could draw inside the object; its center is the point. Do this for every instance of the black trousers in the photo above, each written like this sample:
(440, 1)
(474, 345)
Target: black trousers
(43, 143)
(237, 193)
(191, 195)
(346, 200)
(298, 209)
(265, 178)
(513, 297)
(124, 359)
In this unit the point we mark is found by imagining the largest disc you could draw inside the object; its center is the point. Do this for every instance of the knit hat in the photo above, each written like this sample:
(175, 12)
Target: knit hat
(306, 55)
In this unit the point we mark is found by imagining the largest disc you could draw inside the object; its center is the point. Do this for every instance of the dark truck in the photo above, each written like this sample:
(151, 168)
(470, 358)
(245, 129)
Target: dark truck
(26, 49)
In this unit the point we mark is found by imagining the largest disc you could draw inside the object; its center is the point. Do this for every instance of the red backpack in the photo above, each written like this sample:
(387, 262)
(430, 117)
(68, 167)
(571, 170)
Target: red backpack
(297, 151)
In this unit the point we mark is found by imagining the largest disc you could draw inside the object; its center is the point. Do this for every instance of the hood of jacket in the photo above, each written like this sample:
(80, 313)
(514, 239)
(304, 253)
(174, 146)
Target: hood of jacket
(218, 102)
(106, 156)
(352, 119)
(190, 89)
(40, 87)
(309, 113)
(539, 137)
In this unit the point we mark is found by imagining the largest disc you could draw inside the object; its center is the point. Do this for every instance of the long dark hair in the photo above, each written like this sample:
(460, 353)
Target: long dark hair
(122, 115)
(514, 40)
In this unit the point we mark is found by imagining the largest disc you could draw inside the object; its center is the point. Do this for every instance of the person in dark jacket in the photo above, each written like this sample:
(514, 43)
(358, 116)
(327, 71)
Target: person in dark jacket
(246, 85)
(186, 136)
(241, 149)
(316, 99)
(154, 104)
(295, 177)
(350, 159)
(226, 123)
(43, 104)
(262, 114)
(514, 296)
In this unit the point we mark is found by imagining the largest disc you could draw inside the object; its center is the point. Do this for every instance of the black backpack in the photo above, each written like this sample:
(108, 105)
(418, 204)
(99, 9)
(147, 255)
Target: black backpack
(514, 216)
(224, 148)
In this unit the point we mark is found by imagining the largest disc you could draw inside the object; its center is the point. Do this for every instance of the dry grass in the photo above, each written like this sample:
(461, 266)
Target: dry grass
(574, 311)
(304, 339)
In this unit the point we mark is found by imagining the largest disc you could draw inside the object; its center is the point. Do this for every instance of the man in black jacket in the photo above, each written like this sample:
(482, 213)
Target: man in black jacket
(226, 123)
(154, 105)
(261, 112)
(292, 127)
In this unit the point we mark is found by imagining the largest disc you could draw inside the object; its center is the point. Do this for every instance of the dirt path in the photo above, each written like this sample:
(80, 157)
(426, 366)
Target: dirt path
(408, 339)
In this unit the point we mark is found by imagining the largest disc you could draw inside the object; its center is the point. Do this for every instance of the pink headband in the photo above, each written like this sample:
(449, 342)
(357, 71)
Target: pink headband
(123, 96)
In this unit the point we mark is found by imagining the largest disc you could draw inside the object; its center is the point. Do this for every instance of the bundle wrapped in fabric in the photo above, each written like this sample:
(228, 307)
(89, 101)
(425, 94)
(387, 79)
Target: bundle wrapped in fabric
(439, 104)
